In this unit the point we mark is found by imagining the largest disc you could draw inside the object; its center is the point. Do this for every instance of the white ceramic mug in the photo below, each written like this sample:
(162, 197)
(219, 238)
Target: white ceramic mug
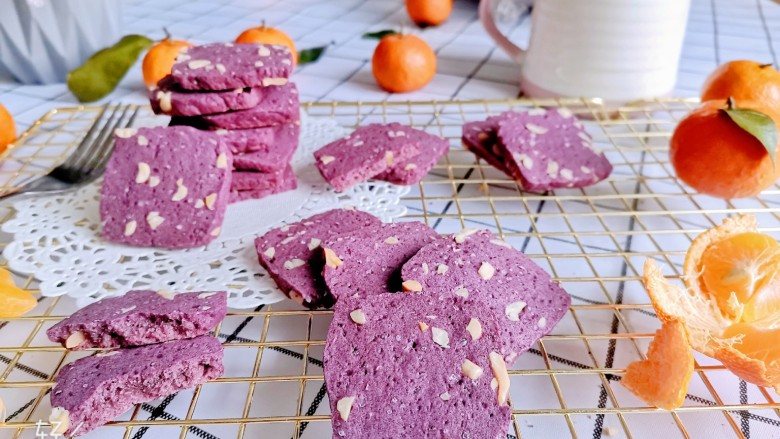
(617, 50)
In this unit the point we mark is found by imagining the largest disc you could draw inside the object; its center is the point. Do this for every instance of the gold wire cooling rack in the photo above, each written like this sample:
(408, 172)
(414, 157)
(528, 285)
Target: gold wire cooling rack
(593, 240)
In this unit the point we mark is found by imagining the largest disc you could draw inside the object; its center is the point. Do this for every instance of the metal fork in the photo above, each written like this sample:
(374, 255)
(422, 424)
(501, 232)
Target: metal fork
(88, 160)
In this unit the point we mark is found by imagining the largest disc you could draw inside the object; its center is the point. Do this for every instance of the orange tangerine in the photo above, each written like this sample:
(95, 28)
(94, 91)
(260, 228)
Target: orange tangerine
(731, 306)
(7, 129)
(403, 63)
(268, 35)
(14, 301)
(662, 379)
(160, 59)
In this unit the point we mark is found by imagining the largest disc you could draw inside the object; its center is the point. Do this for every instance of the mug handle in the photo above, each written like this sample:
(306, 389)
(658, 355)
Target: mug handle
(486, 17)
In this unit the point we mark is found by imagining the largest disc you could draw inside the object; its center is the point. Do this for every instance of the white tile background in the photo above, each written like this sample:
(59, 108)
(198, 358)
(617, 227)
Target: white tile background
(470, 66)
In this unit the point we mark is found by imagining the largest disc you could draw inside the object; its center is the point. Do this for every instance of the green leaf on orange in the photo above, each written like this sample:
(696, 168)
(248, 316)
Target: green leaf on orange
(757, 124)
(379, 34)
(308, 56)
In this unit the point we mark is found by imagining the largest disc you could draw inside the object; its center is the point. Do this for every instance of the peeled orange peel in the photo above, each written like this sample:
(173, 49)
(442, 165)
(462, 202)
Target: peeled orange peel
(731, 304)
(14, 301)
(662, 379)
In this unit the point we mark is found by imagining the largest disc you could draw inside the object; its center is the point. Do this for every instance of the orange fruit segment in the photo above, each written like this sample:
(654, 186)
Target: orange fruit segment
(662, 379)
(14, 301)
(731, 306)
(268, 35)
(742, 269)
(7, 129)
(752, 341)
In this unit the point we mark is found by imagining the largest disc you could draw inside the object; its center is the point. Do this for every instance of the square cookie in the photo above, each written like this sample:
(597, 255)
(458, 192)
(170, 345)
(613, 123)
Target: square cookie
(368, 151)
(228, 66)
(279, 105)
(165, 187)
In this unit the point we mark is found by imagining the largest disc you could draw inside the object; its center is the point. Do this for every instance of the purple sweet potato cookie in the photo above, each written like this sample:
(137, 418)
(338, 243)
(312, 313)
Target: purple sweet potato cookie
(229, 66)
(273, 160)
(287, 183)
(260, 140)
(368, 151)
(169, 98)
(292, 254)
(140, 318)
(372, 257)
(481, 268)
(413, 170)
(246, 180)
(165, 187)
(97, 389)
(480, 138)
(412, 366)
(279, 105)
(548, 149)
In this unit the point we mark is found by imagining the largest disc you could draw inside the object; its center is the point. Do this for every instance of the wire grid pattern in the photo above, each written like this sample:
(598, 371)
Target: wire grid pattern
(593, 240)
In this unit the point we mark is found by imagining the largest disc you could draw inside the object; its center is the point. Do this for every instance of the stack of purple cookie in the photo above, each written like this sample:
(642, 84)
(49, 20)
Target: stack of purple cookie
(241, 92)
(540, 149)
(160, 343)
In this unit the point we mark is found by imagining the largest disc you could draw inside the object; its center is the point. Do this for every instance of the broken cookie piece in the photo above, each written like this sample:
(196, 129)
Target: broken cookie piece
(94, 390)
(140, 318)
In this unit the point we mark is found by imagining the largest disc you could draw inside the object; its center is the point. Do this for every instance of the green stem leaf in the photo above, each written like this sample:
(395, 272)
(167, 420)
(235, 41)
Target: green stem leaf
(101, 73)
(307, 56)
(757, 124)
(380, 34)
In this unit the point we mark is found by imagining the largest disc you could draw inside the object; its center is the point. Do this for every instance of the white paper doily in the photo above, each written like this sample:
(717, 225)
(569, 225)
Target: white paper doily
(57, 238)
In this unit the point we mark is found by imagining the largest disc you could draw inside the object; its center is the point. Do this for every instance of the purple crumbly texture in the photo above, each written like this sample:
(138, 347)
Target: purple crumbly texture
(247, 181)
(293, 257)
(373, 256)
(266, 161)
(142, 317)
(97, 389)
(279, 106)
(549, 149)
(230, 66)
(481, 139)
(367, 152)
(261, 140)
(398, 374)
(413, 170)
(169, 98)
(288, 183)
(153, 210)
(517, 279)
